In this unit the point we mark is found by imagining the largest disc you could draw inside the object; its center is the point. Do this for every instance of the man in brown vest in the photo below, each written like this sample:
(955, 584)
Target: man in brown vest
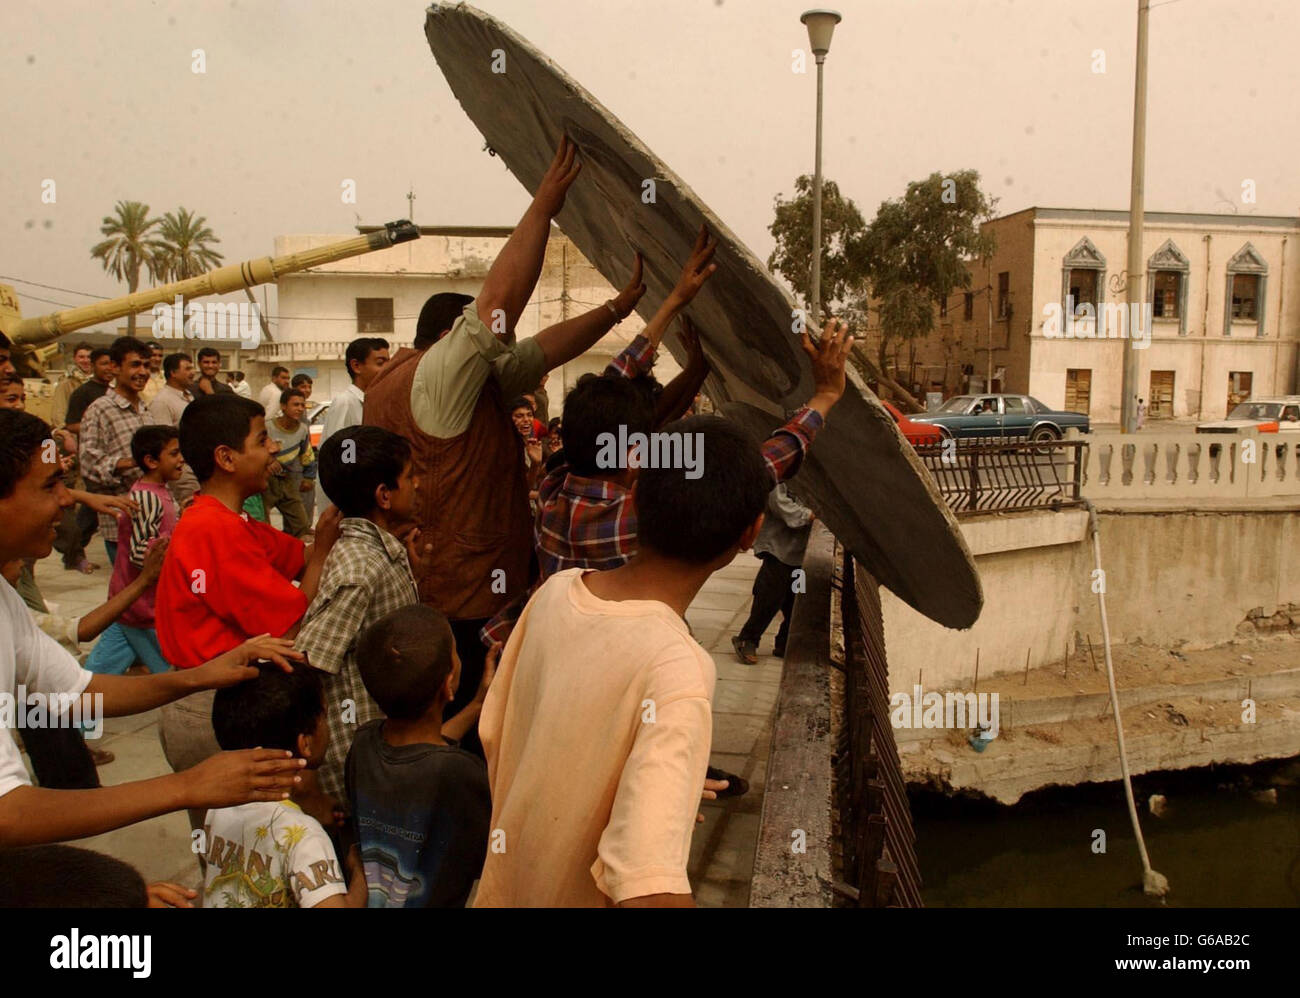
(448, 394)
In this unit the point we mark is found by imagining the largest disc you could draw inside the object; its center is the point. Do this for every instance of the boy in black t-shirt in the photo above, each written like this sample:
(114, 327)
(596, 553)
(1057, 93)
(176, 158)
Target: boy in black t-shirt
(420, 804)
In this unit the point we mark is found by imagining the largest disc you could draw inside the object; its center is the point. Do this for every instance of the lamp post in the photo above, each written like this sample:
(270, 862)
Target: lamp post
(1137, 198)
(821, 25)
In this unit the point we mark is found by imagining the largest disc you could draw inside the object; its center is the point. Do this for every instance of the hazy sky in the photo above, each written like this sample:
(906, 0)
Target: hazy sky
(300, 94)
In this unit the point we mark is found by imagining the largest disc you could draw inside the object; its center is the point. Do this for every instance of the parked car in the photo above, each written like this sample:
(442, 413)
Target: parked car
(917, 434)
(975, 416)
(316, 423)
(1278, 414)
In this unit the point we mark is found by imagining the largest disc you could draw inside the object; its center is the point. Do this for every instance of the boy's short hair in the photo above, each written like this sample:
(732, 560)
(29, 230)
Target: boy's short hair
(376, 457)
(99, 352)
(437, 316)
(270, 711)
(695, 520)
(124, 346)
(172, 363)
(60, 876)
(404, 658)
(149, 441)
(600, 404)
(213, 421)
(359, 350)
(555, 424)
(289, 393)
(301, 379)
(22, 436)
(209, 352)
(521, 403)
(278, 369)
(83, 345)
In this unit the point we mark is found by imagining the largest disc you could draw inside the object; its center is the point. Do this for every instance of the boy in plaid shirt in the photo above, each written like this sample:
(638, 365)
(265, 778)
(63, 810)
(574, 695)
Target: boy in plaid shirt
(367, 471)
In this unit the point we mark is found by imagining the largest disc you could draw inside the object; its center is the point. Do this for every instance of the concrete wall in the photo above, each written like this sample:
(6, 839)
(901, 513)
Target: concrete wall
(1172, 575)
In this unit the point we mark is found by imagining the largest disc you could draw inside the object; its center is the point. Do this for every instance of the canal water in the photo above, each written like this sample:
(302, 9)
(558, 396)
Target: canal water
(1221, 842)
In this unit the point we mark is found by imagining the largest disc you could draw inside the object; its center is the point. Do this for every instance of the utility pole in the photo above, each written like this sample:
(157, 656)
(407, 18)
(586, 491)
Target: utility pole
(1136, 205)
(988, 293)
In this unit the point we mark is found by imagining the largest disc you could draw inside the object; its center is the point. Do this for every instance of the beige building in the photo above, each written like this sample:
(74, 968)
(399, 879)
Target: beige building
(380, 294)
(1044, 315)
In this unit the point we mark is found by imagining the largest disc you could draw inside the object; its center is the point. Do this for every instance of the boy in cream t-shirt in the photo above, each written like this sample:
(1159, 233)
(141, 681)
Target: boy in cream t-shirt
(598, 724)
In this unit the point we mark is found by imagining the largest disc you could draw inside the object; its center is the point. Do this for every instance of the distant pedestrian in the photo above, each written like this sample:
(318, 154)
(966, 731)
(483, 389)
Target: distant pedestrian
(270, 395)
(1141, 413)
(781, 544)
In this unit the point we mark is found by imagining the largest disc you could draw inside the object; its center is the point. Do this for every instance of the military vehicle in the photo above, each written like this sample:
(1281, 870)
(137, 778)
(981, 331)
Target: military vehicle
(32, 340)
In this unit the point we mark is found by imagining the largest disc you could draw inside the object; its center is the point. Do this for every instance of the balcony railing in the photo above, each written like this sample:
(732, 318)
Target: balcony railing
(987, 475)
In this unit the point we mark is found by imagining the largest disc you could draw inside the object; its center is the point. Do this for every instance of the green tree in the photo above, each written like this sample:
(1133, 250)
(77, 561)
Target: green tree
(915, 252)
(842, 227)
(844, 279)
(130, 245)
(186, 246)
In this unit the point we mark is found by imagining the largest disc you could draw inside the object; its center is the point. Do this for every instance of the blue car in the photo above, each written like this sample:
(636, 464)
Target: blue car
(967, 417)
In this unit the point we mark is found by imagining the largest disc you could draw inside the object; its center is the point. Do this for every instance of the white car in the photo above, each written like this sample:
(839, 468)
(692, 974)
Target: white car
(1280, 414)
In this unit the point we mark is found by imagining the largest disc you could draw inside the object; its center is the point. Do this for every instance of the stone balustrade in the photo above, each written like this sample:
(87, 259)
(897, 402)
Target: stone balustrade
(1186, 465)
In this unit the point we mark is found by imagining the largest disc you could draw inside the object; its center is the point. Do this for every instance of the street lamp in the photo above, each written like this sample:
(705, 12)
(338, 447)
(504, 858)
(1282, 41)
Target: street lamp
(821, 25)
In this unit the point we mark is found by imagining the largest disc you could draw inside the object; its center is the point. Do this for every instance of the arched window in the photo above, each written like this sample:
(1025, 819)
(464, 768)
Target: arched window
(1167, 273)
(1083, 281)
(1244, 295)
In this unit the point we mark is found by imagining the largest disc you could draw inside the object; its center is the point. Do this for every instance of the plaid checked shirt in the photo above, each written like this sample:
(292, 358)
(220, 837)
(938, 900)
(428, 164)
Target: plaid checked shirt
(106, 431)
(589, 522)
(366, 575)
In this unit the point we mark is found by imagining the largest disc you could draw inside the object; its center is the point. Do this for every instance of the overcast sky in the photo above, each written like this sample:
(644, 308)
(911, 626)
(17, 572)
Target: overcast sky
(300, 94)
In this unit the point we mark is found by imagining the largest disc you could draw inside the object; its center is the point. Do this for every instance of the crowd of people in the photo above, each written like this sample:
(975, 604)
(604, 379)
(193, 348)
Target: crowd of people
(472, 666)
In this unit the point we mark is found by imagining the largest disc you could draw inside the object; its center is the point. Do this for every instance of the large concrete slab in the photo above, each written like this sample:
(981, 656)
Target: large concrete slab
(862, 477)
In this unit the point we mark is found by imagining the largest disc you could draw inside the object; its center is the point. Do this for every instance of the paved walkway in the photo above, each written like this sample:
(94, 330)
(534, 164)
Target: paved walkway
(722, 853)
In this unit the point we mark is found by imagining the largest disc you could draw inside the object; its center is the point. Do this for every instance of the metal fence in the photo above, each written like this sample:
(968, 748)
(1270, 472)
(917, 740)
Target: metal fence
(985, 475)
(878, 846)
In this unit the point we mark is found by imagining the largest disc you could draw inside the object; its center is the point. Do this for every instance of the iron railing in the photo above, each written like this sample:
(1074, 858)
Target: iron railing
(985, 475)
(878, 845)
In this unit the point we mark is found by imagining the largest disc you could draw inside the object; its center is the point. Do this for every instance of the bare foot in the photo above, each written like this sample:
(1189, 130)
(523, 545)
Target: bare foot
(85, 567)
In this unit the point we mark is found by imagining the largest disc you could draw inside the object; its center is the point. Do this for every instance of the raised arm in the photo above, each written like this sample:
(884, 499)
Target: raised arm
(699, 268)
(514, 272)
(679, 393)
(565, 340)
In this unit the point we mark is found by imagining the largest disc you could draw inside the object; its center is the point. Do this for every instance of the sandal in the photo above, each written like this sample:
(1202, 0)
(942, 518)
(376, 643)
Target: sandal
(746, 651)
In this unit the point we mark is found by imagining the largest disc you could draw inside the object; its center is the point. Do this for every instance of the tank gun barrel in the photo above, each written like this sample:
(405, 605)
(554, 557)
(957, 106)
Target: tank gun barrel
(38, 330)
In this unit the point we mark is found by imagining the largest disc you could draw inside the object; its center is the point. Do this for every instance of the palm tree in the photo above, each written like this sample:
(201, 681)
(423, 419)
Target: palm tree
(130, 245)
(185, 249)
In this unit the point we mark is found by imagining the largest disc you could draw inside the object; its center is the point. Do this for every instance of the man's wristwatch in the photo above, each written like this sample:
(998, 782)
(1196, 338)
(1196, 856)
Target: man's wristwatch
(609, 304)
